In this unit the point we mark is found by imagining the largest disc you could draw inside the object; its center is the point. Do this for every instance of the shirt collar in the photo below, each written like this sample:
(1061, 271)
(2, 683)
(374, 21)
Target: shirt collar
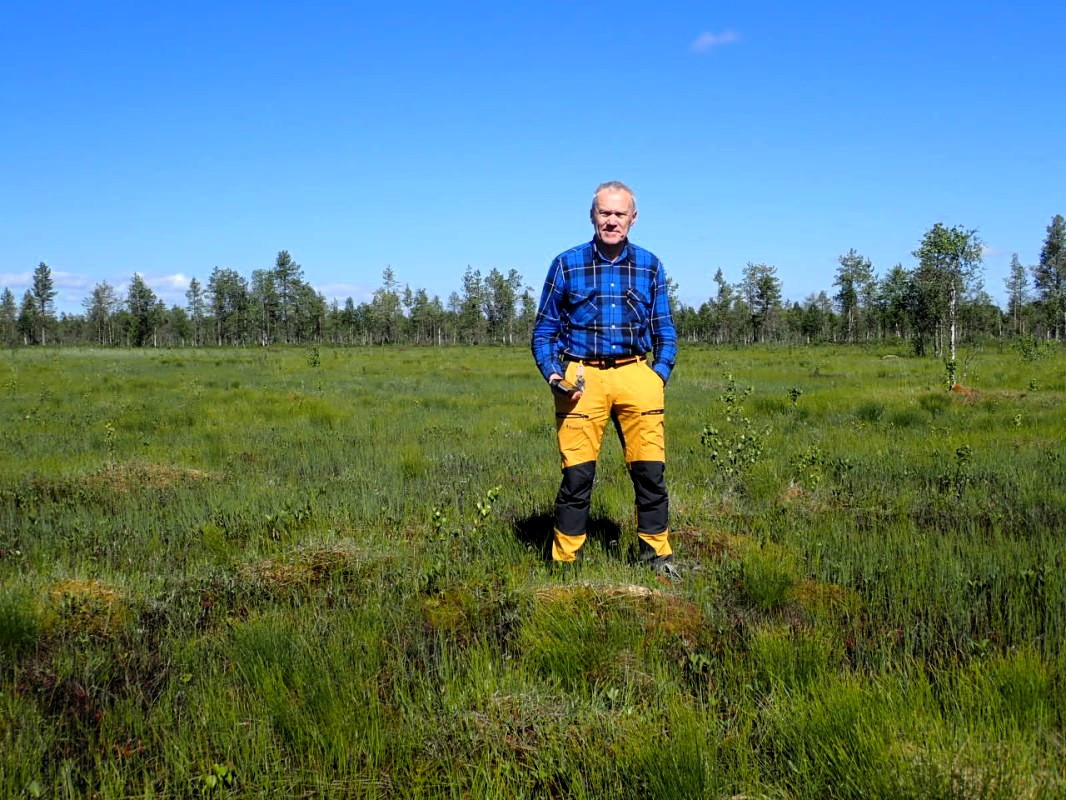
(622, 257)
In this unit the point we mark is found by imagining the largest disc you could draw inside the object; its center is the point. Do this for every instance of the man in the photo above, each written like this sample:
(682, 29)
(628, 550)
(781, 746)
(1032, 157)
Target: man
(603, 308)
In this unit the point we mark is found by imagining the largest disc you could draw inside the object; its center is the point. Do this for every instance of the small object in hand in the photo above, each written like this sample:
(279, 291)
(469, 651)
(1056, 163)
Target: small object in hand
(563, 387)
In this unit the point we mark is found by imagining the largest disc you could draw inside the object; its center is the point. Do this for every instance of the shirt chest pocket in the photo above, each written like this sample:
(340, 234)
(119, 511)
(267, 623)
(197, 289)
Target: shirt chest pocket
(584, 308)
(638, 307)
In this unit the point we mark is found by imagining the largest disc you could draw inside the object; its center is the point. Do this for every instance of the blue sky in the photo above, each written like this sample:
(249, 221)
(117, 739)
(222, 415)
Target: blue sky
(166, 139)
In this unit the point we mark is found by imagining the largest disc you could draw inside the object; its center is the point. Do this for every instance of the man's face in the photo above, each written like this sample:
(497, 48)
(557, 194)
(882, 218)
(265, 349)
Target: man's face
(613, 216)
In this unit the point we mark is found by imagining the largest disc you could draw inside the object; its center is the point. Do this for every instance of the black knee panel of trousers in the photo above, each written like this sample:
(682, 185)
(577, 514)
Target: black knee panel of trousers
(572, 502)
(653, 503)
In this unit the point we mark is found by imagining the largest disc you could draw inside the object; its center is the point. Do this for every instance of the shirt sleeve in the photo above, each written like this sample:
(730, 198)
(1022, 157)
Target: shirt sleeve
(663, 332)
(546, 328)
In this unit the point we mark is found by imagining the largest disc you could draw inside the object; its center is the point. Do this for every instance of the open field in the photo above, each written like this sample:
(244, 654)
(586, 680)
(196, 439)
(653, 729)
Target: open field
(304, 573)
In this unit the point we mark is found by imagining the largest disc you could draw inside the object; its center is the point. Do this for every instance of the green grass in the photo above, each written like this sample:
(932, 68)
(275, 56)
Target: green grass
(234, 573)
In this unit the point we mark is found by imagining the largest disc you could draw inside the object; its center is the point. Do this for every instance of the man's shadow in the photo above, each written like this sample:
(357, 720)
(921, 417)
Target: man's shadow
(537, 531)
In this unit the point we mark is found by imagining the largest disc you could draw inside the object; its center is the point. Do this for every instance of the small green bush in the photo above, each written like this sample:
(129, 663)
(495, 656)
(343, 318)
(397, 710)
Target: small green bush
(871, 411)
(906, 418)
(936, 403)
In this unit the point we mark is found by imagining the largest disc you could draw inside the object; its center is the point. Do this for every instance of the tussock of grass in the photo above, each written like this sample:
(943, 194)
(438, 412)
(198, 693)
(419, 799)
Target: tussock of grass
(115, 479)
(663, 612)
(826, 599)
(788, 659)
(305, 569)
(87, 607)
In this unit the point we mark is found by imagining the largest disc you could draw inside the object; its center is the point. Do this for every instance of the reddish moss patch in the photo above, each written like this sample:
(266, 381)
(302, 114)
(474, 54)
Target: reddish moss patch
(714, 546)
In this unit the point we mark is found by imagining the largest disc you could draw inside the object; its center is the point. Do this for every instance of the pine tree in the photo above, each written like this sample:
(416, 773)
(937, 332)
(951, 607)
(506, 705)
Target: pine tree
(1017, 286)
(195, 306)
(1049, 276)
(44, 294)
(8, 317)
(893, 301)
(227, 292)
(26, 324)
(142, 305)
(386, 308)
(470, 318)
(762, 292)
(722, 308)
(288, 278)
(854, 278)
(264, 305)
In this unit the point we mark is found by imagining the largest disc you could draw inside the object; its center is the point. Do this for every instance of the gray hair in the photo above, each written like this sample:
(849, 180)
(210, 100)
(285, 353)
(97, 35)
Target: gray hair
(614, 186)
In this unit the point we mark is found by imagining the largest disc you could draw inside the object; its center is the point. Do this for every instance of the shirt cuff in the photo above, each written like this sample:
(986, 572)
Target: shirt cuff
(663, 371)
(553, 369)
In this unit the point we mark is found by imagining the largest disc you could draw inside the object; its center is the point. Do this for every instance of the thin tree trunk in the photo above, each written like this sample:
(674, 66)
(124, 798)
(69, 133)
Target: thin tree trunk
(951, 317)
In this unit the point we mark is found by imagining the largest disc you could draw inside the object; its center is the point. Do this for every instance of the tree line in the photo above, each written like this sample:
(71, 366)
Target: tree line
(933, 305)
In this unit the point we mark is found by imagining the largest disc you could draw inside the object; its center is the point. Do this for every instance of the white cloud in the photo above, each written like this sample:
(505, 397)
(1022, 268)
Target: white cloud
(16, 279)
(71, 280)
(341, 291)
(174, 283)
(60, 280)
(168, 288)
(707, 41)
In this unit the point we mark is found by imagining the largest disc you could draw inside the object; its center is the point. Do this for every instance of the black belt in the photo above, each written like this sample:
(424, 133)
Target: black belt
(606, 363)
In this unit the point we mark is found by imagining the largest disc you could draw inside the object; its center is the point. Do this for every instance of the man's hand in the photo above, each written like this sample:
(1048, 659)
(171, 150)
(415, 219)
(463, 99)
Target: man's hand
(573, 396)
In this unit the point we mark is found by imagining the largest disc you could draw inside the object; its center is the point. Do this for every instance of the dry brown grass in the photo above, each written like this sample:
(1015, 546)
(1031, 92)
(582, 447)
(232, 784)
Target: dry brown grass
(304, 568)
(599, 591)
(714, 546)
(968, 771)
(126, 478)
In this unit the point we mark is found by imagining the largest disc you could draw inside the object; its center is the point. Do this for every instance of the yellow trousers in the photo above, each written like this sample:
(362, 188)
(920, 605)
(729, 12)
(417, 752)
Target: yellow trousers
(631, 396)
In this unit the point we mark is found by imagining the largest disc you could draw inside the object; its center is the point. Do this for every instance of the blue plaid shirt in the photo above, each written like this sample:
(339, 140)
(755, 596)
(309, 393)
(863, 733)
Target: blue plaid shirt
(595, 308)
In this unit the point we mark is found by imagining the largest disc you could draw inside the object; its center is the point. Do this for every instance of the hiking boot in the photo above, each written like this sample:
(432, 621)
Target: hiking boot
(665, 568)
(669, 571)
